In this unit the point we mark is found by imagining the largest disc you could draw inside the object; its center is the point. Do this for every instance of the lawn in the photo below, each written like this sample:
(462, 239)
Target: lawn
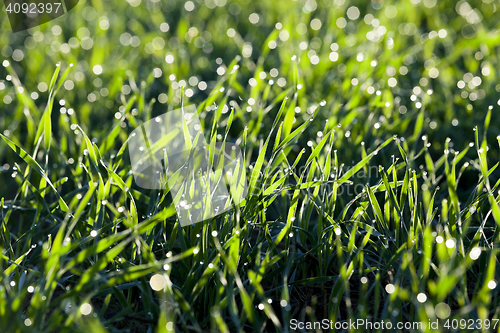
(370, 135)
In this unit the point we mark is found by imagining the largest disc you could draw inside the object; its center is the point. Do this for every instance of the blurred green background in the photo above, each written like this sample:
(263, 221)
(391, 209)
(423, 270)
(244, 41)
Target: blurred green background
(374, 63)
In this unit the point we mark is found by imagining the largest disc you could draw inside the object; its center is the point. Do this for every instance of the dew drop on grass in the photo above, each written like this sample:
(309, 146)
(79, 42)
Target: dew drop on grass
(475, 253)
(442, 310)
(157, 282)
(389, 288)
(421, 297)
(85, 309)
(450, 243)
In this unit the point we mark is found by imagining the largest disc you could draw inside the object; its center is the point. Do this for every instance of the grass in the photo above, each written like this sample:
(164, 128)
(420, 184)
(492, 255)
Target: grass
(371, 154)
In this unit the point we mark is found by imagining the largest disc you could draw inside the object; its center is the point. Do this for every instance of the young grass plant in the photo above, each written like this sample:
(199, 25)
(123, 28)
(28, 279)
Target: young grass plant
(363, 201)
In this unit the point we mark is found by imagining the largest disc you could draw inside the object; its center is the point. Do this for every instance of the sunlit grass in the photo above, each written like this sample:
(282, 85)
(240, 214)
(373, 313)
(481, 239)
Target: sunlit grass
(371, 142)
